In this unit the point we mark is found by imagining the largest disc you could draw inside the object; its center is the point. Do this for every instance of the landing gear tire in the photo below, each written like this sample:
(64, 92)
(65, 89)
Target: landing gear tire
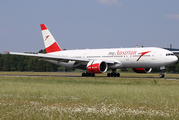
(83, 74)
(162, 75)
(92, 75)
(117, 75)
(112, 74)
(88, 74)
(109, 74)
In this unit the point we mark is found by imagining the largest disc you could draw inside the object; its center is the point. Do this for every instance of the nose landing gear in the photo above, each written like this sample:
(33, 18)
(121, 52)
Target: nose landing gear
(162, 74)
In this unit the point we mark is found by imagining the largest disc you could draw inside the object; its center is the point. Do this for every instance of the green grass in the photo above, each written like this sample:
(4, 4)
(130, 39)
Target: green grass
(88, 98)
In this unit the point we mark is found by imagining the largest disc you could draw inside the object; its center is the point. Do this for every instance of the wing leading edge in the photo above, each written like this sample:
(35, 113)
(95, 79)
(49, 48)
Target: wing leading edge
(58, 58)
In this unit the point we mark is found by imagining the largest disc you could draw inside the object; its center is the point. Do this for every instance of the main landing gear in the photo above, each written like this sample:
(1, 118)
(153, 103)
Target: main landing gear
(162, 74)
(87, 74)
(113, 74)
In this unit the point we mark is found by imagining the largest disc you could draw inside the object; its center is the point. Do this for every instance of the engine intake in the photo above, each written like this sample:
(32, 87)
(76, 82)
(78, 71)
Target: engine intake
(97, 66)
(142, 70)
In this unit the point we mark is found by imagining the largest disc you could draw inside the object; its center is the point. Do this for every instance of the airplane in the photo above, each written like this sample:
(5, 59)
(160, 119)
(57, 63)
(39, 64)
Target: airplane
(94, 61)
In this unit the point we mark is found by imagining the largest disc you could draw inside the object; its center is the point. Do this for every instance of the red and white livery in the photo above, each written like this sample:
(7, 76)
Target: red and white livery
(50, 43)
(141, 60)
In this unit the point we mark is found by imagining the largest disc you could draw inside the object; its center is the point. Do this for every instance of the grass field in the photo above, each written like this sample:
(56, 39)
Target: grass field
(87, 98)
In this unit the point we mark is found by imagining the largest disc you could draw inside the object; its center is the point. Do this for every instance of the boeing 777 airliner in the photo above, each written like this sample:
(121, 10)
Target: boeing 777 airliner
(141, 60)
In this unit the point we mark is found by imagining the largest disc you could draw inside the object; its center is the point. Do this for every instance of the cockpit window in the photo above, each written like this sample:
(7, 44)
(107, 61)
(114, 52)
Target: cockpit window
(169, 54)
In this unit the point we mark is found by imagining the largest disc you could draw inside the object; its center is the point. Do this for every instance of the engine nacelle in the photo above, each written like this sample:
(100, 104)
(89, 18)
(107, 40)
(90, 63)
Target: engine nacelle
(97, 66)
(142, 70)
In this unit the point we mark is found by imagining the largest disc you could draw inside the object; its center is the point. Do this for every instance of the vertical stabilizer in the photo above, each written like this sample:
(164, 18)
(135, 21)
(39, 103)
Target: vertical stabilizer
(49, 41)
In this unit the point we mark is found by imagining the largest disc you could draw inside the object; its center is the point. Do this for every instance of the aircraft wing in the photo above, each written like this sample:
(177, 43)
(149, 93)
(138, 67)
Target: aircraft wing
(57, 58)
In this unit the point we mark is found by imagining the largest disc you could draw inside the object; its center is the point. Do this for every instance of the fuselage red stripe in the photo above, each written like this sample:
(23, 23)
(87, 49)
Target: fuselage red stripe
(53, 48)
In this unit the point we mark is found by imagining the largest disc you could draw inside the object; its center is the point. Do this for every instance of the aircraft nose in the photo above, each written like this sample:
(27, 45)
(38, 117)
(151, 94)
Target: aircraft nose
(171, 60)
(174, 60)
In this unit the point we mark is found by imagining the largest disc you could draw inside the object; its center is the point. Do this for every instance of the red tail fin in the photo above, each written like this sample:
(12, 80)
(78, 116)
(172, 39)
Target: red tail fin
(50, 43)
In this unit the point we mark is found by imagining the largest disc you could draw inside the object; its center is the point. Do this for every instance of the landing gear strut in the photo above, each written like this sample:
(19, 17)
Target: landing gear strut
(113, 74)
(162, 74)
(87, 74)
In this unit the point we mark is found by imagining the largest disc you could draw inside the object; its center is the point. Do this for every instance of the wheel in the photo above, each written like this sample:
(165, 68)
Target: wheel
(109, 74)
(162, 75)
(88, 74)
(83, 74)
(114, 74)
(93, 75)
(118, 75)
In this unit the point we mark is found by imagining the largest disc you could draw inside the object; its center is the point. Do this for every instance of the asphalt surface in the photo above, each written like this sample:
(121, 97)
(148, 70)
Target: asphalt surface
(167, 78)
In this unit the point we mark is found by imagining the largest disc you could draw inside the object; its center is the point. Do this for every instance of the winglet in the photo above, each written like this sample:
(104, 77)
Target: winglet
(50, 43)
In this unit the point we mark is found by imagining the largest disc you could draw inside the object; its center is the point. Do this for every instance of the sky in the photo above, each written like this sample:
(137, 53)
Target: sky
(82, 24)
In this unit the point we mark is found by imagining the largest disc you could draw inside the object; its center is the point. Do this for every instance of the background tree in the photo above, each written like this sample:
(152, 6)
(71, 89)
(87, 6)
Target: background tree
(6, 62)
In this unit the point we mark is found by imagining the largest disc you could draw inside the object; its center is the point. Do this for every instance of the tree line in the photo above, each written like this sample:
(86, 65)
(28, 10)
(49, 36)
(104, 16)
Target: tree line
(10, 62)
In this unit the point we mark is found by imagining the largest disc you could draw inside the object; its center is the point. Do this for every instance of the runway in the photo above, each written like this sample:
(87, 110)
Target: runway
(17, 75)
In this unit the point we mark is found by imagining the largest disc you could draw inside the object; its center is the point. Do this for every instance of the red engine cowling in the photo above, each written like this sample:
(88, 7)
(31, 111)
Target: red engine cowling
(97, 66)
(142, 70)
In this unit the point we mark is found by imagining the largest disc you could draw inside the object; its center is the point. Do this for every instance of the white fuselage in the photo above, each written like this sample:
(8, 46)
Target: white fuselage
(148, 57)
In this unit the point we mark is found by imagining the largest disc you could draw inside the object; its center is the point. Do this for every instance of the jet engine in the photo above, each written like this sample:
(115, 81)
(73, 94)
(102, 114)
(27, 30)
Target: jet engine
(142, 70)
(97, 66)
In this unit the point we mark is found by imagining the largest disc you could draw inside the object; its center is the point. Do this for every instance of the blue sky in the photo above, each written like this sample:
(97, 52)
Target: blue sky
(81, 24)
